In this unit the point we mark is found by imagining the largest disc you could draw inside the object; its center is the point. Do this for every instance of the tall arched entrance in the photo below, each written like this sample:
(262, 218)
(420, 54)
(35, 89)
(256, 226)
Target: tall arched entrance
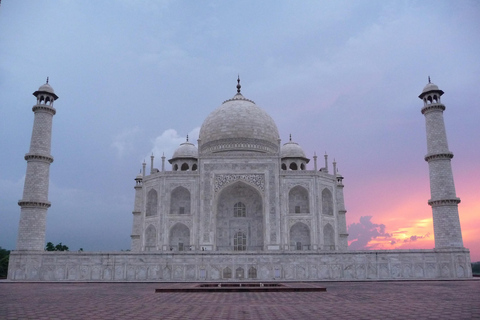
(300, 236)
(239, 218)
(179, 237)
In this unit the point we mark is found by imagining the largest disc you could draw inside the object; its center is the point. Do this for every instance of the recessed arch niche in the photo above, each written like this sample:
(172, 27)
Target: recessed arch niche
(179, 237)
(300, 236)
(150, 238)
(228, 225)
(327, 202)
(298, 200)
(152, 201)
(180, 201)
(329, 237)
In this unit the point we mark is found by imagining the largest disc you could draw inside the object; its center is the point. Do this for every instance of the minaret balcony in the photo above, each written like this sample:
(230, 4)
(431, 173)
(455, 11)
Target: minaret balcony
(439, 156)
(444, 202)
(39, 157)
(34, 204)
(44, 108)
(433, 107)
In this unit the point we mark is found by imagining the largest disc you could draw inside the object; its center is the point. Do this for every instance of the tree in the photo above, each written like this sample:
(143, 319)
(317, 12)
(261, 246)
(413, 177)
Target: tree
(49, 247)
(61, 247)
(4, 255)
(58, 247)
(476, 268)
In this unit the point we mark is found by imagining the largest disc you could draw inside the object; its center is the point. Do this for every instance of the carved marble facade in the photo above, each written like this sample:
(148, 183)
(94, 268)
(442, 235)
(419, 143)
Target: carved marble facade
(240, 190)
(221, 266)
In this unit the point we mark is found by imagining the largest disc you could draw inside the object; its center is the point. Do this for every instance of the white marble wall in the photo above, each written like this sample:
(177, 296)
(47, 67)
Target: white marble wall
(217, 174)
(205, 266)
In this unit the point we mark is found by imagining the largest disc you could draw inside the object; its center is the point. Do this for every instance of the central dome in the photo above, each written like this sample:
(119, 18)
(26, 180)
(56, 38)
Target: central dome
(238, 125)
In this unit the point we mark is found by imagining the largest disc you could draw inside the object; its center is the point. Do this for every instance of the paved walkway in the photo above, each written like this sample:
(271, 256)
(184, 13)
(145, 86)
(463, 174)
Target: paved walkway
(343, 300)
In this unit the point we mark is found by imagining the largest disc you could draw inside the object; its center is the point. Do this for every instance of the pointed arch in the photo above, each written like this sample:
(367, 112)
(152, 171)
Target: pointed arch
(184, 167)
(180, 201)
(252, 273)
(239, 197)
(327, 202)
(227, 273)
(300, 236)
(150, 238)
(298, 200)
(293, 166)
(328, 237)
(152, 203)
(239, 273)
(179, 237)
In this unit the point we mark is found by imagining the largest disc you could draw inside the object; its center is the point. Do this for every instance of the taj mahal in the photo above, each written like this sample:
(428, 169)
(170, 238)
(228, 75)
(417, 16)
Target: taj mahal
(239, 205)
(240, 190)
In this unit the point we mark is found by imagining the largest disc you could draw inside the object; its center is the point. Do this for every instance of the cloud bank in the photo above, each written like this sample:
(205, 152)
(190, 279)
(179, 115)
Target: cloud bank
(366, 235)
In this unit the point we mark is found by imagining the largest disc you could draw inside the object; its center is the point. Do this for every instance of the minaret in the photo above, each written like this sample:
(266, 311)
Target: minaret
(326, 162)
(444, 202)
(34, 204)
(341, 218)
(137, 212)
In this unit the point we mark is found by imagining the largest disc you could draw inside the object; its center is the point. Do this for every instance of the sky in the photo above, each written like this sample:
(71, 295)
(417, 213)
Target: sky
(342, 77)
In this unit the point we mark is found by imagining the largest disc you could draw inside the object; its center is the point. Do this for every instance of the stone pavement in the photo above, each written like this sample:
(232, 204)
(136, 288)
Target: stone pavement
(343, 300)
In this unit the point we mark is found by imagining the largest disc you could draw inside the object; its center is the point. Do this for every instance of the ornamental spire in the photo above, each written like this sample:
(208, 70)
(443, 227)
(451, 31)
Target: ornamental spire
(429, 79)
(238, 84)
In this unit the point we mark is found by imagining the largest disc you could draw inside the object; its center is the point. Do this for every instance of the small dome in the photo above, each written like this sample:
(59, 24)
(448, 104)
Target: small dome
(292, 150)
(186, 150)
(239, 125)
(430, 87)
(46, 88)
(139, 177)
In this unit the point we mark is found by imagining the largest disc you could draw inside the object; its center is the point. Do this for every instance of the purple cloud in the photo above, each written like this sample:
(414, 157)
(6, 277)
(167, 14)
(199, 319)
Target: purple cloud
(360, 234)
(364, 231)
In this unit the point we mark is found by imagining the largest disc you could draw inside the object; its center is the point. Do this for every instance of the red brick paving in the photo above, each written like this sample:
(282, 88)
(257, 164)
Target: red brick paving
(343, 300)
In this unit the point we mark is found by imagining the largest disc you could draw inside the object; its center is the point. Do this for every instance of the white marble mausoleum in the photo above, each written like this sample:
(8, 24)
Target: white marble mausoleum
(239, 205)
(241, 190)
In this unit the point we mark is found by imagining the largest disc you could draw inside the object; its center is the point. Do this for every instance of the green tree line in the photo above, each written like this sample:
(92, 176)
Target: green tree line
(59, 247)
(4, 255)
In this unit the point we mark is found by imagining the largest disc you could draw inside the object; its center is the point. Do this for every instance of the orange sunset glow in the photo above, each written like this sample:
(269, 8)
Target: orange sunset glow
(408, 221)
